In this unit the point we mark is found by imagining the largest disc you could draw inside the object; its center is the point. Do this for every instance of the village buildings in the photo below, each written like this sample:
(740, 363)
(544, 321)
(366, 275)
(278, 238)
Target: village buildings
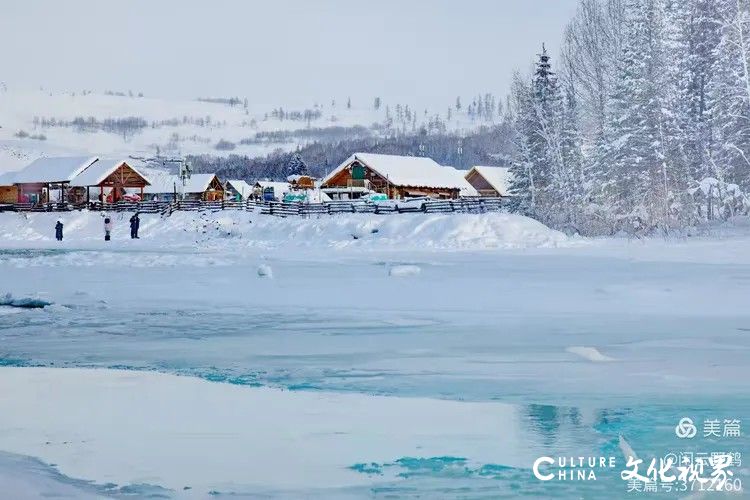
(87, 179)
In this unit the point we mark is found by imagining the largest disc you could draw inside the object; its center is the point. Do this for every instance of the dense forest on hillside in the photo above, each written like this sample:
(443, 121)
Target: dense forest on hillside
(489, 145)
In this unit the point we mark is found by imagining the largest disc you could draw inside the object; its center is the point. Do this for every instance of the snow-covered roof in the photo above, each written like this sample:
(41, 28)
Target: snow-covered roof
(99, 171)
(165, 183)
(198, 183)
(466, 188)
(7, 178)
(413, 171)
(241, 187)
(161, 182)
(53, 169)
(498, 177)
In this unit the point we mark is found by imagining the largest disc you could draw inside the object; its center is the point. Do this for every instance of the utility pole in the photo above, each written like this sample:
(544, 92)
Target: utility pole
(184, 171)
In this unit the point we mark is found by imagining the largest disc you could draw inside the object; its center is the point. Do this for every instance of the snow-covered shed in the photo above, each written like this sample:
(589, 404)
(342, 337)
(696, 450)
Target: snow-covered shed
(37, 179)
(490, 181)
(236, 189)
(467, 190)
(206, 187)
(111, 177)
(396, 176)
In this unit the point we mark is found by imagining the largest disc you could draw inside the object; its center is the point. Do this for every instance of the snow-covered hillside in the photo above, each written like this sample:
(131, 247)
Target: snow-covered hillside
(49, 122)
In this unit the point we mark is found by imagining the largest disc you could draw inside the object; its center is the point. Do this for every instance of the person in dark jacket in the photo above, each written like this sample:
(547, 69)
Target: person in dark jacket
(107, 228)
(135, 224)
(59, 231)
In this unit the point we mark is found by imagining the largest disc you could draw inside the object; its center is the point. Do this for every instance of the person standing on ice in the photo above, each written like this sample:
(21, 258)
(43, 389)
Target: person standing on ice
(59, 231)
(134, 226)
(107, 228)
(137, 225)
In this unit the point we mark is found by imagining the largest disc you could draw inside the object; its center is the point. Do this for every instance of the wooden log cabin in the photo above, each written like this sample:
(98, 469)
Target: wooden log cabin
(395, 176)
(490, 181)
(107, 180)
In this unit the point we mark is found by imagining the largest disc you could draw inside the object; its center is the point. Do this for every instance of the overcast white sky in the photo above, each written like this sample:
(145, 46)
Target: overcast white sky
(277, 51)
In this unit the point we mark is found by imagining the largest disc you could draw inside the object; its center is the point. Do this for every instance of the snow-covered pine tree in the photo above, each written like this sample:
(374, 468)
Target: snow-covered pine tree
(538, 168)
(637, 153)
(297, 166)
(572, 177)
(730, 95)
(522, 186)
(694, 41)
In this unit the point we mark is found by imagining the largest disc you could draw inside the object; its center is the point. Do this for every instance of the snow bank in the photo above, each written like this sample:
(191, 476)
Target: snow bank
(404, 270)
(248, 229)
(589, 353)
(265, 271)
(127, 427)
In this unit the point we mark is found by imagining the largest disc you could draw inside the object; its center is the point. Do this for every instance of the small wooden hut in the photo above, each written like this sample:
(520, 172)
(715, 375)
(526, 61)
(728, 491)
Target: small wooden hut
(238, 190)
(490, 181)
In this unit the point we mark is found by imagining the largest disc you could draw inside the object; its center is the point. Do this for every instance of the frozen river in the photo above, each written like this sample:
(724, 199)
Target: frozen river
(559, 351)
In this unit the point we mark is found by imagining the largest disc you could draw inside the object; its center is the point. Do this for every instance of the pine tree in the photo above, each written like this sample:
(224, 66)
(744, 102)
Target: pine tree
(522, 186)
(572, 178)
(537, 170)
(730, 95)
(297, 166)
(638, 143)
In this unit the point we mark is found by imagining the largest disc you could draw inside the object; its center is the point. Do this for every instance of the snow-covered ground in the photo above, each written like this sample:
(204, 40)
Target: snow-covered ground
(232, 229)
(430, 356)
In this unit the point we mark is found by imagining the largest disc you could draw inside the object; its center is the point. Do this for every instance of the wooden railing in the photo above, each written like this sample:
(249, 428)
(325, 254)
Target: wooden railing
(281, 209)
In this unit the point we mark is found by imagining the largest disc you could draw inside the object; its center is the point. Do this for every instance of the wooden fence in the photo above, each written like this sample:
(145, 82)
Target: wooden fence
(281, 209)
